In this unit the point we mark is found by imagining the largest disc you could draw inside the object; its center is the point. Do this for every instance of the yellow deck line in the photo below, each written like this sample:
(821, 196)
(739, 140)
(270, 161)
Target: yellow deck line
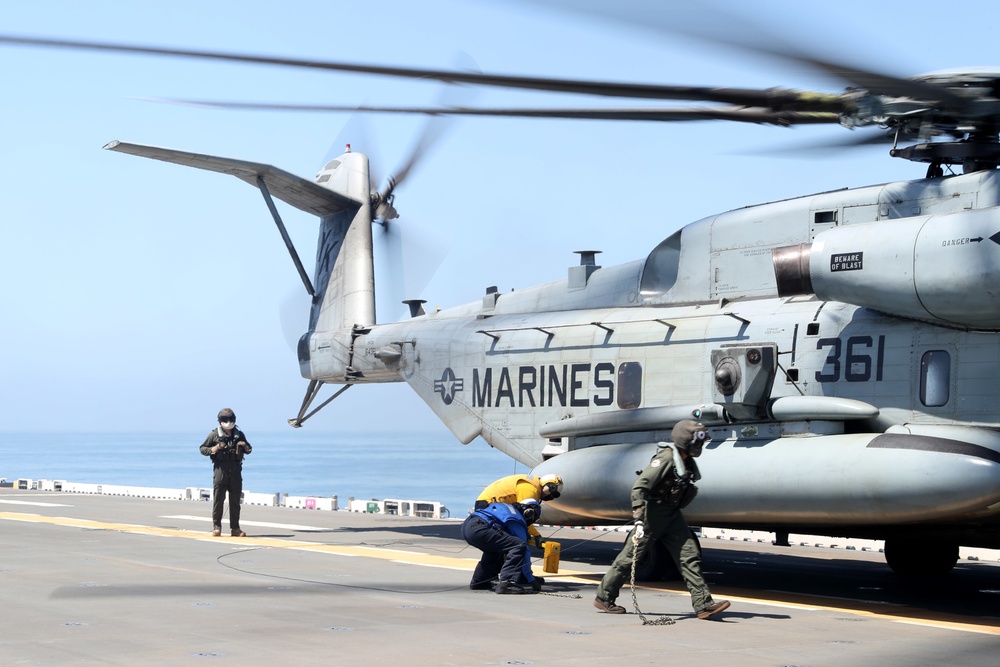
(454, 563)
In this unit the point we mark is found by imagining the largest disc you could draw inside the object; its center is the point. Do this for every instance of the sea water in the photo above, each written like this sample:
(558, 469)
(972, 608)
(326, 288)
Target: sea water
(407, 466)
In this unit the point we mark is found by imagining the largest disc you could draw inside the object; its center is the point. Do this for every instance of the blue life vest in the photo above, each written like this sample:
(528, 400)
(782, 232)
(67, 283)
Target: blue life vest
(503, 514)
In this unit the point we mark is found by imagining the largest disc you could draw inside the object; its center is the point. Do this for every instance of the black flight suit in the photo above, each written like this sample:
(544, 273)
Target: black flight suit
(228, 474)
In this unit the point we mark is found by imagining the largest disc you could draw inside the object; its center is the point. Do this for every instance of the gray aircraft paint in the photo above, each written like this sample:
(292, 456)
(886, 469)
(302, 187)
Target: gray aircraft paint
(842, 348)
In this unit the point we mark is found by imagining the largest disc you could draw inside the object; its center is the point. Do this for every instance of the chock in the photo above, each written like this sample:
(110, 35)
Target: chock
(550, 560)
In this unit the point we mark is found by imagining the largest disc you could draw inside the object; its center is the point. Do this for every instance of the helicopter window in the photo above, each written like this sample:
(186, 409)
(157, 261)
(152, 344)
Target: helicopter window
(825, 217)
(812, 329)
(935, 378)
(629, 385)
(660, 272)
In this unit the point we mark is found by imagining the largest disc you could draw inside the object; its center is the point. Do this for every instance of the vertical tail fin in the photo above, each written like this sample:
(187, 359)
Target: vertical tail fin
(345, 276)
(344, 301)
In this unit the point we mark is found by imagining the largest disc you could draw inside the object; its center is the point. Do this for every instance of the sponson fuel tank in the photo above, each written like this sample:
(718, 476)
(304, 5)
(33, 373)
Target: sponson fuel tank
(871, 479)
(941, 268)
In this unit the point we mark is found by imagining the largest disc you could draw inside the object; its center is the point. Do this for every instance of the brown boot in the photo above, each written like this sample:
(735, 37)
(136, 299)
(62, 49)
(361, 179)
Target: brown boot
(217, 532)
(236, 532)
(713, 609)
(608, 607)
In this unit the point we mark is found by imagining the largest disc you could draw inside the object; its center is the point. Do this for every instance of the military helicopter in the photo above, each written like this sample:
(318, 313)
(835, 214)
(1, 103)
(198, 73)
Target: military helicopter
(840, 346)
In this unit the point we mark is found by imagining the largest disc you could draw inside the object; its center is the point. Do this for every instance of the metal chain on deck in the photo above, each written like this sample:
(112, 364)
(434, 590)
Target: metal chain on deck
(665, 620)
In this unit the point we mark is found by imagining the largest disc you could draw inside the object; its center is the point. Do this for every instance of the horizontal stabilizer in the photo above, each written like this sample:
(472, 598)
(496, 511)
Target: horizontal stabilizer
(303, 194)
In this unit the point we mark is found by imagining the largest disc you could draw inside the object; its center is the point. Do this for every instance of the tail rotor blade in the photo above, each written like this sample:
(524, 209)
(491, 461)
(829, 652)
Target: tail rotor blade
(293, 313)
(453, 95)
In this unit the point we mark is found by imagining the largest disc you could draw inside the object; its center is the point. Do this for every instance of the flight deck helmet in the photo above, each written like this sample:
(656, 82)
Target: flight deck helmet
(227, 415)
(530, 509)
(689, 436)
(551, 486)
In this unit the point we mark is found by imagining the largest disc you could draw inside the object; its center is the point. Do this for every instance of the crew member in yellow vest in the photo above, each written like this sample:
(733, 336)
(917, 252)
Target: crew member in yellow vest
(519, 488)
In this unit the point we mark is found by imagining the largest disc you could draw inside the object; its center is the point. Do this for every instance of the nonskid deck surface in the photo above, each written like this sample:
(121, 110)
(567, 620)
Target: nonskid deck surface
(87, 579)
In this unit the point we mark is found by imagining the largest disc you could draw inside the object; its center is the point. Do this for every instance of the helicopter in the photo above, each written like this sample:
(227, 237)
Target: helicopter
(840, 346)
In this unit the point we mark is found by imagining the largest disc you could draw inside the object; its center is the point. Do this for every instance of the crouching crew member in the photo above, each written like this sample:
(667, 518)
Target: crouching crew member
(500, 531)
(663, 488)
(519, 489)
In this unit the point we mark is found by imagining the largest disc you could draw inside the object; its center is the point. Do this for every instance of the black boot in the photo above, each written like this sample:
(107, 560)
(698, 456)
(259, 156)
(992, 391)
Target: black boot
(510, 588)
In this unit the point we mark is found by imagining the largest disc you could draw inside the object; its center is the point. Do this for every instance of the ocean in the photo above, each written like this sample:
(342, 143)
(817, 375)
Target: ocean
(412, 466)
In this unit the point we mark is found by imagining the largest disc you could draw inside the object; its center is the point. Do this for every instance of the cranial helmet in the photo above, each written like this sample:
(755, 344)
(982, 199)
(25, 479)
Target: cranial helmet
(530, 509)
(551, 486)
(227, 415)
(689, 436)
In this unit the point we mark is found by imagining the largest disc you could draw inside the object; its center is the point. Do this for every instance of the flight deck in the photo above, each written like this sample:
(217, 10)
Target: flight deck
(97, 579)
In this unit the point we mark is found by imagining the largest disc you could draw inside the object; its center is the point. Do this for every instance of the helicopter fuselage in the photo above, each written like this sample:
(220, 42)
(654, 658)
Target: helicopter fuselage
(826, 415)
(842, 349)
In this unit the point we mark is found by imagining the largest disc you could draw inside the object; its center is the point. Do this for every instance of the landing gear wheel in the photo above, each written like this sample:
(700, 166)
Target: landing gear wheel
(914, 557)
(657, 565)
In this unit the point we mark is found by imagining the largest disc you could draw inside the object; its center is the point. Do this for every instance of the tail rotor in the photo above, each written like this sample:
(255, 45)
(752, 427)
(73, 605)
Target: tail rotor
(408, 253)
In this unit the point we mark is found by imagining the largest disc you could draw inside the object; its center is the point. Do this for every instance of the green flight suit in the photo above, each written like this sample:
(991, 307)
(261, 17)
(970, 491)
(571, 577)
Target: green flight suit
(663, 522)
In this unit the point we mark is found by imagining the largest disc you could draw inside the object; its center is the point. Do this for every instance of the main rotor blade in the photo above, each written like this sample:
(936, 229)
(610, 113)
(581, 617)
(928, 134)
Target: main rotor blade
(719, 24)
(772, 98)
(859, 139)
(435, 127)
(662, 114)
(874, 82)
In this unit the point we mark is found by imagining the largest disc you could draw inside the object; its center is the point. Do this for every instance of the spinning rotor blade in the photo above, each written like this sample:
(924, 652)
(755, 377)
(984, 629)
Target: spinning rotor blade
(771, 98)
(293, 315)
(774, 99)
(880, 84)
(955, 104)
(742, 32)
(859, 139)
(433, 130)
(661, 114)
(731, 29)
(409, 253)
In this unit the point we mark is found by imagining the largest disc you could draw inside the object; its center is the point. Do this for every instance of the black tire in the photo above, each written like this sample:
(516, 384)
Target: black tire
(916, 557)
(657, 565)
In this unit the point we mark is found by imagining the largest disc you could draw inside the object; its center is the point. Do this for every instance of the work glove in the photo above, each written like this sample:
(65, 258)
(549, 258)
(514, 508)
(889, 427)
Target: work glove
(536, 585)
(537, 539)
(639, 532)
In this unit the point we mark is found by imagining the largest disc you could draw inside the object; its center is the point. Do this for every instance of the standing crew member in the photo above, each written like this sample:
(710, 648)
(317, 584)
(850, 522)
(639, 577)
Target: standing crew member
(663, 488)
(500, 531)
(518, 489)
(227, 445)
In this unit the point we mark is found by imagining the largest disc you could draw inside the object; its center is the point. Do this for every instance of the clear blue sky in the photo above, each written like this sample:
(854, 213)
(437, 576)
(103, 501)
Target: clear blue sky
(137, 294)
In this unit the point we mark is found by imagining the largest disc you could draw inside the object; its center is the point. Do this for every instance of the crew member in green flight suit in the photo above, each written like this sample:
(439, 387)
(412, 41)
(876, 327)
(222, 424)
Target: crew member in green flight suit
(659, 494)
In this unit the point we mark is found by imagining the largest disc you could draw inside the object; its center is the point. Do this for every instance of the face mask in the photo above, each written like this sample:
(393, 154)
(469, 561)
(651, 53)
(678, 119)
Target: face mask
(694, 449)
(228, 425)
